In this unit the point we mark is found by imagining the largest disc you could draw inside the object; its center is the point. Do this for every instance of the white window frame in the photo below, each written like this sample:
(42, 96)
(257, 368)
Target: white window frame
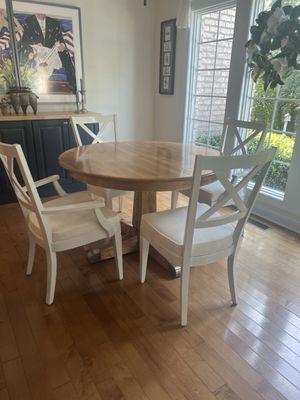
(193, 64)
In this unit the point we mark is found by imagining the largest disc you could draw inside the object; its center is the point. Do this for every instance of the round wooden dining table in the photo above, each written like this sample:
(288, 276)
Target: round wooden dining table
(142, 167)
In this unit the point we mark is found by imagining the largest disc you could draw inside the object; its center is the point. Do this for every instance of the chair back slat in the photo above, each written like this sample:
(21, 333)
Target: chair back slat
(256, 167)
(237, 128)
(27, 195)
(103, 122)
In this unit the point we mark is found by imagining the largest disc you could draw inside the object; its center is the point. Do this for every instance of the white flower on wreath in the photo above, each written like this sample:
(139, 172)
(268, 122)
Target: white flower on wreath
(277, 18)
(281, 66)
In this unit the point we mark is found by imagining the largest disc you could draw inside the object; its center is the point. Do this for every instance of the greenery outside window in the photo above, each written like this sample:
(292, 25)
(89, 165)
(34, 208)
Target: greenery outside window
(280, 109)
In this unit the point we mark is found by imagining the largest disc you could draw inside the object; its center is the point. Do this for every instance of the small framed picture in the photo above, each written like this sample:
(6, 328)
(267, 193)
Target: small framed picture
(167, 33)
(166, 71)
(168, 46)
(166, 82)
(167, 57)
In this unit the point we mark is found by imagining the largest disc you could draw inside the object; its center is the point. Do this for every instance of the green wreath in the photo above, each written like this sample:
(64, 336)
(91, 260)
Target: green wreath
(273, 50)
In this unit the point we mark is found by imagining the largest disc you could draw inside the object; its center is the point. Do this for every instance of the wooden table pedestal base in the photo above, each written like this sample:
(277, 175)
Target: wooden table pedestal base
(144, 202)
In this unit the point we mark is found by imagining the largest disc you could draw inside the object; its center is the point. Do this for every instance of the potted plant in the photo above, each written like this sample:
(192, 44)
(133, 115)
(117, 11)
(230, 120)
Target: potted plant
(19, 96)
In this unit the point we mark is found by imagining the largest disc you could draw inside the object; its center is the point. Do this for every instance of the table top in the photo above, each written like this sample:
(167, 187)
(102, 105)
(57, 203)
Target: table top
(136, 166)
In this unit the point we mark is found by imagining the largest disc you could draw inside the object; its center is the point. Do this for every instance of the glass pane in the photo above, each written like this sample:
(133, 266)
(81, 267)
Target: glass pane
(209, 27)
(7, 75)
(220, 83)
(215, 135)
(285, 118)
(277, 176)
(207, 55)
(285, 146)
(262, 110)
(205, 83)
(201, 132)
(202, 108)
(227, 22)
(224, 49)
(218, 110)
(212, 72)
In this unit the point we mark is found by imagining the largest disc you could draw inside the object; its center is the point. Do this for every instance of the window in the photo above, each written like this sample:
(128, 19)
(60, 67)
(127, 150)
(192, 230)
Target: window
(210, 64)
(280, 109)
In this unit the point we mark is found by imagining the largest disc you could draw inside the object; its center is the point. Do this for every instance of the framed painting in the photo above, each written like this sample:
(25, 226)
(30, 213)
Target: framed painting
(7, 73)
(49, 49)
(167, 57)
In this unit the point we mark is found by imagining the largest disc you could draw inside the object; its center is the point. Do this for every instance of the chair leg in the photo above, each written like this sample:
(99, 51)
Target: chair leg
(31, 255)
(184, 297)
(120, 203)
(174, 200)
(117, 242)
(144, 252)
(230, 270)
(51, 276)
(108, 199)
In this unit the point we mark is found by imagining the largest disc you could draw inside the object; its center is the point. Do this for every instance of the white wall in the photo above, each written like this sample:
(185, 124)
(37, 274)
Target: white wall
(169, 110)
(118, 46)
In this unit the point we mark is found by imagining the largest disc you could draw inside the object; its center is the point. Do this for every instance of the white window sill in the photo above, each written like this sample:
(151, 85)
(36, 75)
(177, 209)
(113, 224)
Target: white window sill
(266, 191)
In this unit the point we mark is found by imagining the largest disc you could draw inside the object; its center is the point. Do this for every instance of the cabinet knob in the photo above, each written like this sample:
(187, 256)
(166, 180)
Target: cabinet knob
(66, 122)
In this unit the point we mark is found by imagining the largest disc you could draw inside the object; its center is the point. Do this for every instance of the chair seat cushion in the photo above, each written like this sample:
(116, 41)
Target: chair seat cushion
(83, 224)
(168, 228)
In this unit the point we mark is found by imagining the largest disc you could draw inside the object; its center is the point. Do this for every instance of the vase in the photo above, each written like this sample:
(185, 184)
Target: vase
(22, 97)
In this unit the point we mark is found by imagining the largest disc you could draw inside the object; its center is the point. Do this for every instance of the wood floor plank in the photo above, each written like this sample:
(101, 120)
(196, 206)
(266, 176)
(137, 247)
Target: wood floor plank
(4, 395)
(225, 393)
(17, 384)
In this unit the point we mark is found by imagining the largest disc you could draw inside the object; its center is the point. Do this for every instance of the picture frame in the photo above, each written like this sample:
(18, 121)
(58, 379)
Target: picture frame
(168, 37)
(47, 49)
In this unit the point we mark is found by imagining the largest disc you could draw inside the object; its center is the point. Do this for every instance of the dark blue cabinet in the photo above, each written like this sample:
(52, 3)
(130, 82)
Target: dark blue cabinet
(18, 132)
(42, 142)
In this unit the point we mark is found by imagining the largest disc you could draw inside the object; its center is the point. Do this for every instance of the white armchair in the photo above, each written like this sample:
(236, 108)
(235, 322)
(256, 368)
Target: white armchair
(69, 221)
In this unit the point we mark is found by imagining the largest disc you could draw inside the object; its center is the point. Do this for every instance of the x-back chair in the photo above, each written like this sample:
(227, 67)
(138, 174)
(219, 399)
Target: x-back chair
(198, 234)
(79, 126)
(70, 221)
(208, 194)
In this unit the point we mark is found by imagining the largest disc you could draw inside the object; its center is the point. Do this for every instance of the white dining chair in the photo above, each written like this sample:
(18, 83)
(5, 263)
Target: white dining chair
(209, 193)
(198, 234)
(64, 223)
(80, 126)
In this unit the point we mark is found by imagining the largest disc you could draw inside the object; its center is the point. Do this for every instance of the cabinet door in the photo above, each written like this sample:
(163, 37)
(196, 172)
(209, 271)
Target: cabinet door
(16, 132)
(52, 138)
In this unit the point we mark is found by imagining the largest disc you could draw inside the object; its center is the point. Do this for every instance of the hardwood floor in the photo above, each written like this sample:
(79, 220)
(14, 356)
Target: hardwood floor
(110, 340)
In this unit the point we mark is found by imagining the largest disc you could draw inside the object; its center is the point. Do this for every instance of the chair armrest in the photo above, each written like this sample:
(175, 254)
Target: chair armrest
(54, 180)
(46, 181)
(71, 208)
